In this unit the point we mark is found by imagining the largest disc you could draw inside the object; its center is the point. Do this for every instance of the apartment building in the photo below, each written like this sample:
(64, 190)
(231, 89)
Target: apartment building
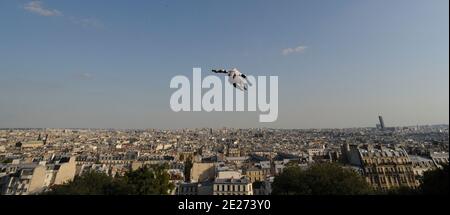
(231, 186)
(383, 167)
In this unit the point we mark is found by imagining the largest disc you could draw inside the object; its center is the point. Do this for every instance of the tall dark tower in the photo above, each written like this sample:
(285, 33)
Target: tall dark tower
(381, 122)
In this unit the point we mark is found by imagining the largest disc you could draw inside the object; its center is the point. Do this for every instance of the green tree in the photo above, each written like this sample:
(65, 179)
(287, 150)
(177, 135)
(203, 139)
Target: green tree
(403, 190)
(320, 179)
(435, 182)
(143, 181)
(90, 183)
(6, 160)
(152, 180)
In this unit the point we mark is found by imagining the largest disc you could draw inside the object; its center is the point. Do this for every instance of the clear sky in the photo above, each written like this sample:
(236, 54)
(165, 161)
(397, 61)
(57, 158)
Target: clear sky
(108, 63)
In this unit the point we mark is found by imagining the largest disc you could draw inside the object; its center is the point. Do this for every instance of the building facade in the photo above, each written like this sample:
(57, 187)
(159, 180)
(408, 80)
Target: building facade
(231, 186)
(383, 168)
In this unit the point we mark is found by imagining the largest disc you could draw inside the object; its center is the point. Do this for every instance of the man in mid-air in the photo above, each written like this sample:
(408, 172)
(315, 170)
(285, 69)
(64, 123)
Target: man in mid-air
(236, 78)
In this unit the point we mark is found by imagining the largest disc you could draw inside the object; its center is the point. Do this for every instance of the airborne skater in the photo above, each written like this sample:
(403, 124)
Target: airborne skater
(236, 78)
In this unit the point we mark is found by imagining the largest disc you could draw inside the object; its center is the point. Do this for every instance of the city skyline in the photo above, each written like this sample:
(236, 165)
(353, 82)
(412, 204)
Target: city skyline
(94, 64)
(374, 126)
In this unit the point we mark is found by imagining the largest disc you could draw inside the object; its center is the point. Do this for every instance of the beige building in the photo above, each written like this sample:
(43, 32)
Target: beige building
(439, 158)
(384, 168)
(256, 174)
(27, 180)
(228, 174)
(34, 178)
(30, 144)
(231, 186)
(421, 165)
(185, 189)
(65, 171)
(202, 172)
(234, 152)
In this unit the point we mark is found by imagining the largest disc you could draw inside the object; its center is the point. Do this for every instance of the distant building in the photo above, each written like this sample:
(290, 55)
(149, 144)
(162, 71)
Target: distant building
(421, 165)
(256, 173)
(30, 144)
(189, 189)
(231, 186)
(380, 118)
(202, 172)
(278, 166)
(263, 187)
(228, 174)
(316, 151)
(237, 160)
(233, 152)
(439, 158)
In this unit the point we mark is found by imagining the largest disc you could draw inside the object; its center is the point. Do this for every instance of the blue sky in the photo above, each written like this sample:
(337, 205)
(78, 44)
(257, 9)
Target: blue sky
(109, 63)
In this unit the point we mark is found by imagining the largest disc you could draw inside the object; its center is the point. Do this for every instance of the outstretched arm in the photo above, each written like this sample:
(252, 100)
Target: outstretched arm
(219, 71)
(245, 77)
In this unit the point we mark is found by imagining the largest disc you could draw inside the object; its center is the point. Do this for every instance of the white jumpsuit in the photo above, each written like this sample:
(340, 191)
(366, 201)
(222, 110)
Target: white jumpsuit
(237, 79)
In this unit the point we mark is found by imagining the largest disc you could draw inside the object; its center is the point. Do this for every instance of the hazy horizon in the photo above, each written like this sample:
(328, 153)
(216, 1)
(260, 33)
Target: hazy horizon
(217, 127)
(108, 64)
